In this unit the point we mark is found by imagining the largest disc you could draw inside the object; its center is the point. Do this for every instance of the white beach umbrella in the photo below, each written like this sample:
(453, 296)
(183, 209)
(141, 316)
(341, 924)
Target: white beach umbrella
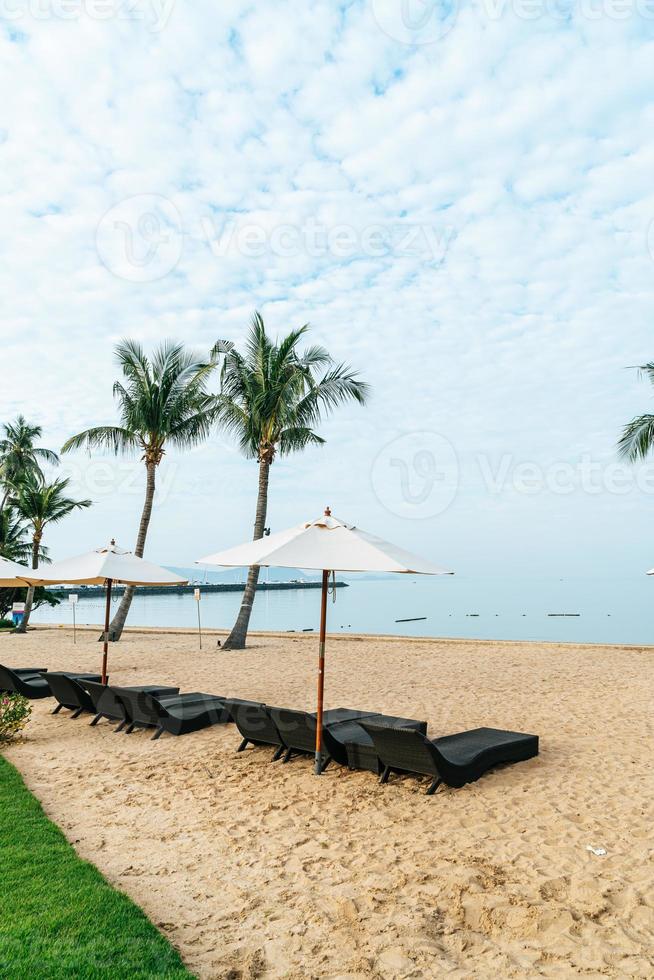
(105, 566)
(326, 544)
(12, 575)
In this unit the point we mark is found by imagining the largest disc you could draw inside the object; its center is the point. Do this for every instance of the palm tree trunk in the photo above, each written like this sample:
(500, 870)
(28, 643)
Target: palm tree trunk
(118, 622)
(29, 601)
(237, 637)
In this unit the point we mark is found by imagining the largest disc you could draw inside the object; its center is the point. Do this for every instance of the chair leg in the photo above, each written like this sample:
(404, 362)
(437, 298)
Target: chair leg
(287, 757)
(243, 746)
(434, 786)
(278, 754)
(96, 719)
(130, 728)
(77, 713)
(385, 774)
(120, 727)
(325, 764)
(57, 709)
(159, 732)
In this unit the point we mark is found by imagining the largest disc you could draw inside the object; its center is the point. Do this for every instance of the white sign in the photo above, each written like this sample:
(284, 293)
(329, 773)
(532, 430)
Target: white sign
(72, 598)
(18, 607)
(196, 593)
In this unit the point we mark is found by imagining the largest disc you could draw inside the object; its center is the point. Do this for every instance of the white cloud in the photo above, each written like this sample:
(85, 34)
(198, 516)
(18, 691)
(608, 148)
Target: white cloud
(517, 154)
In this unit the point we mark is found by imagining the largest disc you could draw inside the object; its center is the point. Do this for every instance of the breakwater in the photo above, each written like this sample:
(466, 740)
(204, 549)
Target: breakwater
(206, 588)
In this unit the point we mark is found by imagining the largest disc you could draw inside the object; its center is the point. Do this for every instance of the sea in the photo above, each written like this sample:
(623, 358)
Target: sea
(588, 610)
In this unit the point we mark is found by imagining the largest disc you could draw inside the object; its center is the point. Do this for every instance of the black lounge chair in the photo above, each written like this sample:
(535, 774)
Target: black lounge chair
(255, 723)
(69, 692)
(107, 704)
(298, 732)
(24, 680)
(177, 714)
(453, 759)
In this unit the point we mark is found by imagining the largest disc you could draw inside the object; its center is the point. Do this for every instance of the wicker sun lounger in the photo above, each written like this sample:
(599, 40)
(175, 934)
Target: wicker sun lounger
(255, 723)
(107, 704)
(177, 714)
(69, 692)
(453, 759)
(343, 738)
(24, 680)
(298, 732)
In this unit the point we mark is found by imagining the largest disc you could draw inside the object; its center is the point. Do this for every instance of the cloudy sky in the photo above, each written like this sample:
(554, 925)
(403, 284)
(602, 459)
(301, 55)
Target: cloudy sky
(459, 201)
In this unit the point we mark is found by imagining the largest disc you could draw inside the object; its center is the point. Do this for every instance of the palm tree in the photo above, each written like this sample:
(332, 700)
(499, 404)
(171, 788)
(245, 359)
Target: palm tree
(19, 456)
(271, 398)
(162, 400)
(637, 437)
(40, 504)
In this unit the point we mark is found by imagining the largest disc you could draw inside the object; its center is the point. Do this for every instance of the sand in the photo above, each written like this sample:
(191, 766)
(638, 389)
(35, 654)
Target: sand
(255, 869)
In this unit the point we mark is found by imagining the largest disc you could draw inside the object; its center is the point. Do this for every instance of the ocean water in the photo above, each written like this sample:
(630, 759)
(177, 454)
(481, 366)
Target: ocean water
(598, 610)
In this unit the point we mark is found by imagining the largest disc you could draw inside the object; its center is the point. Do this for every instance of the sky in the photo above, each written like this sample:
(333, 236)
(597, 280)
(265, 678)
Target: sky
(457, 197)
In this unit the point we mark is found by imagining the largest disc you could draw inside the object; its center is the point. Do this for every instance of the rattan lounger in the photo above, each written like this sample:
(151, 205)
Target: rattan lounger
(177, 714)
(453, 759)
(24, 680)
(255, 723)
(69, 692)
(107, 704)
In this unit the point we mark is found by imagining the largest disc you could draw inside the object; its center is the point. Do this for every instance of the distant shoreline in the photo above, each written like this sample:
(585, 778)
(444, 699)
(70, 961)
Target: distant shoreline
(92, 591)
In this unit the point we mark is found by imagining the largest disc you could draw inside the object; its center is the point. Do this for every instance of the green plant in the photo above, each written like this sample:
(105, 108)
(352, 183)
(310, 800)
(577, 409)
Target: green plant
(15, 711)
(6, 624)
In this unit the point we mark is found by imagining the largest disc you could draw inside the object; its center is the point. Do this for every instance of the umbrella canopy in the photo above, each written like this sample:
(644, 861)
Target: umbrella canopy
(327, 544)
(12, 575)
(105, 566)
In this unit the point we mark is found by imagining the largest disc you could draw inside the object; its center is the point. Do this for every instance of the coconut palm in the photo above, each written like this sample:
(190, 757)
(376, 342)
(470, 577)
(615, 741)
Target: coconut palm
(271, 399)
(637, 437)
(162, 400)
(19, 456)
(40, 504)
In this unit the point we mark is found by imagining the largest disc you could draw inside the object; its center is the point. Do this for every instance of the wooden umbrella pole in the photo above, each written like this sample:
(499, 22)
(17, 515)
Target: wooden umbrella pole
(321, 669)
(107, 611)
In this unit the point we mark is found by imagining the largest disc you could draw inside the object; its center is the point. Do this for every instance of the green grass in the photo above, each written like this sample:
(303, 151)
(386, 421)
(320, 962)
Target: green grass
(58, 915)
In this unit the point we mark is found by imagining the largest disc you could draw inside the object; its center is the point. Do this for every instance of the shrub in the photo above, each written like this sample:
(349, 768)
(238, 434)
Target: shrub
(15, 711)
(6, 624)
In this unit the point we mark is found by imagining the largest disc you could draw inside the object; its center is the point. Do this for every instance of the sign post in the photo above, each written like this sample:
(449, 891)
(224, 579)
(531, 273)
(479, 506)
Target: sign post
(72, 598)
(18, 612)
(196, 593)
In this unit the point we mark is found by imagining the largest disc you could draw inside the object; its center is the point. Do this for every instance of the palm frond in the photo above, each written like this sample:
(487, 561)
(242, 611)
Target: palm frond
(637, 438)
(108, 437)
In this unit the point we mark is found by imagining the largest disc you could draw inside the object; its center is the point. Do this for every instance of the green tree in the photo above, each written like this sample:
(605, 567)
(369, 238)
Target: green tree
(41, 504)
(637, 437)
(19, 456)
(272, 397)
(163, 400)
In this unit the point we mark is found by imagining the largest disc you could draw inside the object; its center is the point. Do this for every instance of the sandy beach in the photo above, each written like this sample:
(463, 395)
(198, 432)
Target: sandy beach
(261, 870)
